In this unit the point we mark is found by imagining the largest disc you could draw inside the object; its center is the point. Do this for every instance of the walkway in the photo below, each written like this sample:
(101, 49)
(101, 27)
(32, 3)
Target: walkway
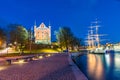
(56, 67)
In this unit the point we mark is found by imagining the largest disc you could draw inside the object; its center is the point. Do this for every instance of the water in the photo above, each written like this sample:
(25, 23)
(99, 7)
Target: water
(100, 66)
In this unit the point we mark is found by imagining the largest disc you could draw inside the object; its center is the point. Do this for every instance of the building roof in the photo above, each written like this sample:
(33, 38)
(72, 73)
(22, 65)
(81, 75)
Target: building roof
(42, 26)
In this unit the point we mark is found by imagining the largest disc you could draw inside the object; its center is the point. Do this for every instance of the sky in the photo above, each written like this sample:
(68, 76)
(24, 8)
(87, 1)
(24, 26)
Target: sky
(76, 14)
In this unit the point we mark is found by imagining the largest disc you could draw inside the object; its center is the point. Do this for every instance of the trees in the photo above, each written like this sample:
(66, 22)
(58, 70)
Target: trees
(18, 35)
(2, 37)
(64, 36)
(66, 39)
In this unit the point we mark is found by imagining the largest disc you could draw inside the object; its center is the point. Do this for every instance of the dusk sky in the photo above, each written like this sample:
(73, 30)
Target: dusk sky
(76, 14)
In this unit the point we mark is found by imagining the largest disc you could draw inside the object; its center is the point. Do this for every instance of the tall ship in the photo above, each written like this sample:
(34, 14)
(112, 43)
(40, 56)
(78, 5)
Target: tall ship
(93, 40)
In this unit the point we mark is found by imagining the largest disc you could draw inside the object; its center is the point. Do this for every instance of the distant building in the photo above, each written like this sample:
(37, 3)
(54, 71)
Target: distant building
(42, 34)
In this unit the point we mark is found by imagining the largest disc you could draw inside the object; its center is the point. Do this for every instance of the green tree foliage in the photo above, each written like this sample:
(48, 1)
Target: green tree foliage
(66, 39)
(18, 34)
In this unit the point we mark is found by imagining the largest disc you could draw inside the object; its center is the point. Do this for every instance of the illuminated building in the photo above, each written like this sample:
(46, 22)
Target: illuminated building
(42, 34)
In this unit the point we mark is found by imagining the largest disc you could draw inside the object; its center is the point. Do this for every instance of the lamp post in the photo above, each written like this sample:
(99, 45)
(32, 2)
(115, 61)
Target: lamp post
(15, 43)
(7, 48)
(30, 40)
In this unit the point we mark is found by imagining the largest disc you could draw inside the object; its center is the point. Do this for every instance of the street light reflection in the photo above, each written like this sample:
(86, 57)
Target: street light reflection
(21, 61)
(107, 58)
(48, 55)
(95, 67)
(40, 57)
(2, 68)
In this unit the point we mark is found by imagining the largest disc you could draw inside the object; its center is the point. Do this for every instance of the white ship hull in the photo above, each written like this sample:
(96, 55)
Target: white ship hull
(102, 50)
(99, 50)
(117, 48)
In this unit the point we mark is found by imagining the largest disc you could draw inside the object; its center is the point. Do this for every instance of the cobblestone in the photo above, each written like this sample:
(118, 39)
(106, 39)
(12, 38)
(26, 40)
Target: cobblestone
(51, 68)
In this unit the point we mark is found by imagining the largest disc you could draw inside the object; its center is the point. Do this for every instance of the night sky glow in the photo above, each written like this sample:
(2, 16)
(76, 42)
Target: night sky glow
(76, 14)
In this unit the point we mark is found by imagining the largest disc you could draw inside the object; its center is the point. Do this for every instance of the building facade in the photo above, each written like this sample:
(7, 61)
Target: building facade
(42, 34)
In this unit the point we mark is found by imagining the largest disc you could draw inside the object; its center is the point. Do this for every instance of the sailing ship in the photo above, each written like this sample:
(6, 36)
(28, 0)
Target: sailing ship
(93, 40)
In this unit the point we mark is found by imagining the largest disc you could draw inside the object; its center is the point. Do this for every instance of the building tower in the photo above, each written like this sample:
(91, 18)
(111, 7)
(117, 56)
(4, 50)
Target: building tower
(34, 30)
(50, 32)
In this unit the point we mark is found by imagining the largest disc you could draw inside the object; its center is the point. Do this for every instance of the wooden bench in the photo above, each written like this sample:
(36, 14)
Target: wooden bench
(25, 58)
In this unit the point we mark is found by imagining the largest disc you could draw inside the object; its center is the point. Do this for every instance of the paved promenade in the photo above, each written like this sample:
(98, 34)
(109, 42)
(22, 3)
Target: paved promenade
(56, 67)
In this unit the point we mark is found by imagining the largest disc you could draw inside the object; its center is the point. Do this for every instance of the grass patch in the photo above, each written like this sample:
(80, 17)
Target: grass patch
(33, 52)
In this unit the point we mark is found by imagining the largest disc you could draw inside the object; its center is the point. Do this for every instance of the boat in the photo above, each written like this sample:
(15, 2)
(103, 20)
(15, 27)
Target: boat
(109, 48)
(116, 48)
(112, 48)
(93, 40)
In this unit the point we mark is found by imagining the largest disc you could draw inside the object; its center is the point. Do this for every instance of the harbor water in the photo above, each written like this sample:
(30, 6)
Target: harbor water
(100, 66)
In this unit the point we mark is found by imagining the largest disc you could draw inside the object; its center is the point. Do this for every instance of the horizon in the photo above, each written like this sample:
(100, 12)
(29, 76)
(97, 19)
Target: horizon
(76, 14)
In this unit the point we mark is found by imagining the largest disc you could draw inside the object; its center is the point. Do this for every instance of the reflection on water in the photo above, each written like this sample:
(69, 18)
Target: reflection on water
(94, 65)
(100, 66)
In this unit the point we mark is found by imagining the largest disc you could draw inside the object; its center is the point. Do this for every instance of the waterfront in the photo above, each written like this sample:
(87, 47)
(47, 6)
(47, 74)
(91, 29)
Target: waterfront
(100, 66)
(49, 67)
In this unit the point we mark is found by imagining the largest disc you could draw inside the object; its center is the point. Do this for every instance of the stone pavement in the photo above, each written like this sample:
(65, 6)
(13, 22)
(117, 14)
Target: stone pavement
(56, 67)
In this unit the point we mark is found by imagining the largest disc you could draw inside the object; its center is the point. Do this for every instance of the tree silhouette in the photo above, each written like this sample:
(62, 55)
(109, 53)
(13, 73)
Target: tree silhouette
(18, 35)
(2, 37)
(66, 39)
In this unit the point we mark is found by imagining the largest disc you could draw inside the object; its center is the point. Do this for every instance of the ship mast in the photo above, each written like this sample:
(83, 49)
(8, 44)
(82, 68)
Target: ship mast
(97, 39)
(90, 38)
(93, 39)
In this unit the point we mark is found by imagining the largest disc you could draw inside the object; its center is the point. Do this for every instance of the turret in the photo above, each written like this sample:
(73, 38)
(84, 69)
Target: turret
(35, 29)
(35, 25)
(50, 31)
